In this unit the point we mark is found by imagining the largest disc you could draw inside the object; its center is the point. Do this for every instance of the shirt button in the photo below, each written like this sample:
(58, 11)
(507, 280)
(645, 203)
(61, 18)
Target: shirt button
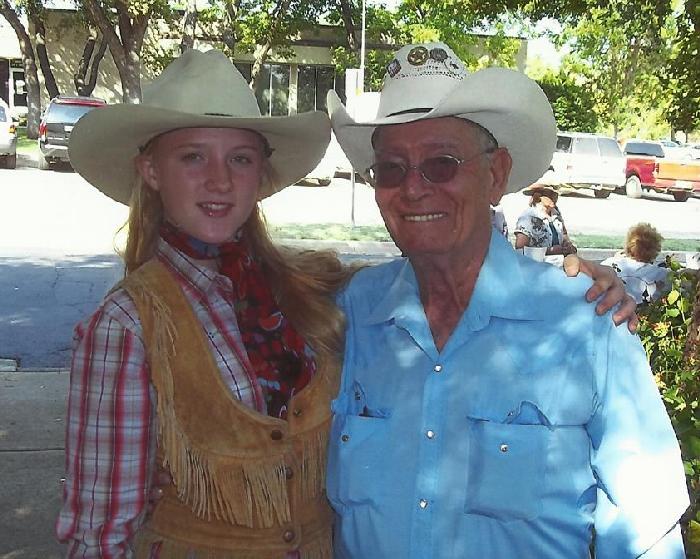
(437, 368)
(504, 448)
(423, 503)
(430, 433)
(288, 536)
(288, 472)
(276, 435)
(345, 438)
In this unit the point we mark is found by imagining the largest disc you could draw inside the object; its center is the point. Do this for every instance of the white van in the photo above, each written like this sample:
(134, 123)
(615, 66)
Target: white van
(587, 161)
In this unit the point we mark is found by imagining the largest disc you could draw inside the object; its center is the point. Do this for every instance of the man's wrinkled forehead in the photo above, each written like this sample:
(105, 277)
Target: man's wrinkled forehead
(481, 132)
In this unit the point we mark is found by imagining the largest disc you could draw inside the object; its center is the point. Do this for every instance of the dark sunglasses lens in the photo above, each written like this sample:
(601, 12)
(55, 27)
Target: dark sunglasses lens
(386, 174)
(439, 169)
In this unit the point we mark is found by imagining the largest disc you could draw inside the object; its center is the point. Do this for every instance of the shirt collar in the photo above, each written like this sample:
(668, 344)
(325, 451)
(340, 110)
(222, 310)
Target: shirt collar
(503, 289)
(192, 275)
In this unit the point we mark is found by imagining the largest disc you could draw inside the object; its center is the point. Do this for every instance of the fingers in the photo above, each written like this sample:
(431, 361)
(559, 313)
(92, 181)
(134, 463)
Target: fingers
(161, 479)
(572, 265)
(627, 312)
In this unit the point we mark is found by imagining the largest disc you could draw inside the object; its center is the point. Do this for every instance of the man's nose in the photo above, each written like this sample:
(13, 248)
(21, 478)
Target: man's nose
(219, 176)
(414, 185)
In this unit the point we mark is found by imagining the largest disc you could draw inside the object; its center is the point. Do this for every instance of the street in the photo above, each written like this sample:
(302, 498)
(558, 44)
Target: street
(57, 239)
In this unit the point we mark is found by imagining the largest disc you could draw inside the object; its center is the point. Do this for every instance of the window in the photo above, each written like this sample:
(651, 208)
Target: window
(325, 78)
(272, 89)
(245, 69)
(563, 143)
(279, 87)
(644, 148)
(306, 89)
(313, 84)
(609, 148)
(586, 146)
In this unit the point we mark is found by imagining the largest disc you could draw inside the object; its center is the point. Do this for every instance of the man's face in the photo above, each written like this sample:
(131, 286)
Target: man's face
(450, 218)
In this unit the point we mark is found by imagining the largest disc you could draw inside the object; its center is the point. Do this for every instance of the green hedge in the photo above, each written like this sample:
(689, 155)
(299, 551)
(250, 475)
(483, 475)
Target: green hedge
(664, 330)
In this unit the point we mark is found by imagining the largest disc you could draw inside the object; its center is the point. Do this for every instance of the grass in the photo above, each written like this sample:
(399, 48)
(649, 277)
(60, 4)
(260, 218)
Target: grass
(337, 232)
(24, 144)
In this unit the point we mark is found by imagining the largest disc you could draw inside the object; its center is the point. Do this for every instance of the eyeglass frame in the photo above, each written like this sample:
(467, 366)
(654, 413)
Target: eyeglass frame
(407, 168)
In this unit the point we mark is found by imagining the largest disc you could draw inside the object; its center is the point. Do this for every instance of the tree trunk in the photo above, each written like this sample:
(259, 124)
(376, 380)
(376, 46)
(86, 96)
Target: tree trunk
(85, 76)
(49, 79)
(31, 77)
(346, 12)
(189, 27)
(261, 54)
(229, 32)
(126, 46)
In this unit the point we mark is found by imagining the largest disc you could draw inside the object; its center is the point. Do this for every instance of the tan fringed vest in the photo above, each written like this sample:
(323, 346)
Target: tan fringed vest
(246, 485)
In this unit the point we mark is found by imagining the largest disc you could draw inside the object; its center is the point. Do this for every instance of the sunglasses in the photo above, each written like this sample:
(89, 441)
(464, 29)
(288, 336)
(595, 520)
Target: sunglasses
(441, 168)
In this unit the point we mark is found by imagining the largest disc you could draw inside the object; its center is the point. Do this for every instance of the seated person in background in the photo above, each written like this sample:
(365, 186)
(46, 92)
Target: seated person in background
(541, 225)
(498, 220)
(644, 280)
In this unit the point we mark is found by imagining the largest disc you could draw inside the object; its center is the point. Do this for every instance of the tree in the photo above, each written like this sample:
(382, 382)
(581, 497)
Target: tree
(189, 26)
(682, 79)
(85, 76)
(621, 44)
(130, 18)
(31, 76)
(571, 102)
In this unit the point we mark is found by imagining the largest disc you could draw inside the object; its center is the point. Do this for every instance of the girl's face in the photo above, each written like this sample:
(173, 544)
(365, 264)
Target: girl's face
(207, 178)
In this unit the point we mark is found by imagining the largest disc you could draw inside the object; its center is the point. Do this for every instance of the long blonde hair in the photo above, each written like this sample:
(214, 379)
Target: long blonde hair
(304, 282)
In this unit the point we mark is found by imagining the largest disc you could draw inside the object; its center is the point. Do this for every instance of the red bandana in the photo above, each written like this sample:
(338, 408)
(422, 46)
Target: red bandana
(275, 349)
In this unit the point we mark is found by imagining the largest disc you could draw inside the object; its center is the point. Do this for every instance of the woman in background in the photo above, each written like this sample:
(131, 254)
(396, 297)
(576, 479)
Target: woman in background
(644, 279)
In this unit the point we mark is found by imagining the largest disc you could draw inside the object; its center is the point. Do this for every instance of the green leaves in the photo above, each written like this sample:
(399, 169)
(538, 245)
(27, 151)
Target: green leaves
(664, 327)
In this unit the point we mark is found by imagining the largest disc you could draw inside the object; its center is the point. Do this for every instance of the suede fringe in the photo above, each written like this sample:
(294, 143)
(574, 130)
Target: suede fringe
(320, 548)
(246, 492)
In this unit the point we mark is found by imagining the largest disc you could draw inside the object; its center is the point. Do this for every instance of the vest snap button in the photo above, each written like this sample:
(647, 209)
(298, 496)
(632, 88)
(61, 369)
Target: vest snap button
(288, 536)
(288, 472)
(276, 435)
(297, 412)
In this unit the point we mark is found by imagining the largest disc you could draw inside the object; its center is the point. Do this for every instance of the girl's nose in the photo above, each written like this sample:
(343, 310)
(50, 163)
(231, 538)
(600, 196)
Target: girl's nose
(218, 175)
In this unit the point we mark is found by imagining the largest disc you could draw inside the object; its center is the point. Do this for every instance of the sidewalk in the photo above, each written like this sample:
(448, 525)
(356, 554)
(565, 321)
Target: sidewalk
(32, 423)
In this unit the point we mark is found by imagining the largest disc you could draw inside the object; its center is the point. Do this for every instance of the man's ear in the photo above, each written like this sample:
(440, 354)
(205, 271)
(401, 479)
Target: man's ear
(501, 164)
(147, 169)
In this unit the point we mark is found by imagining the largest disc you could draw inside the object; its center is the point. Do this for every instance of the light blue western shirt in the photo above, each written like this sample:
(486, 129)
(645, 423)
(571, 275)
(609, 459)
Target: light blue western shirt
(537, 422)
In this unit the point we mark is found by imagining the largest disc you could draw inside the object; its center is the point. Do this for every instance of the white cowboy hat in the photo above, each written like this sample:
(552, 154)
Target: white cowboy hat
(198, 89)
(429, 81)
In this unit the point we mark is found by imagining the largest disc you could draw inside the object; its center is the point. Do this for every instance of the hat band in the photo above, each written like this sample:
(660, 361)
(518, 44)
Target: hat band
(416, 110)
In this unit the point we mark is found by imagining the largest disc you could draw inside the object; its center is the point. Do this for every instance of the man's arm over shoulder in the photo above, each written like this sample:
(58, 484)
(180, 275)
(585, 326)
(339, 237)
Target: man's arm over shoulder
(635, 455)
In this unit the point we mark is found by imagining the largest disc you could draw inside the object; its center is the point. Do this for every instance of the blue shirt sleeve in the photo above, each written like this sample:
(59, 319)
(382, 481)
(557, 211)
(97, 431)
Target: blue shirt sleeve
(635, 456)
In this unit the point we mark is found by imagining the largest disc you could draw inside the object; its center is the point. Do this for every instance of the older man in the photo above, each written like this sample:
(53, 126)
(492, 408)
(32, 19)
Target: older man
(485, 410)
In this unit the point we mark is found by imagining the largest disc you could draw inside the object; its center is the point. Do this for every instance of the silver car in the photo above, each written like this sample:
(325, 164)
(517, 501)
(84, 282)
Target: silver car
(587, 161)
(8, 138)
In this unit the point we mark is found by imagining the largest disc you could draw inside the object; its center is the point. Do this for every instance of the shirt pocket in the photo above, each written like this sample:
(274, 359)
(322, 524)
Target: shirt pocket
(354, 459)
(506, 469)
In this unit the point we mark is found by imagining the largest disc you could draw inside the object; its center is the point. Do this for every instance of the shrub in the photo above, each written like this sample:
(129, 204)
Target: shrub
(669, 333)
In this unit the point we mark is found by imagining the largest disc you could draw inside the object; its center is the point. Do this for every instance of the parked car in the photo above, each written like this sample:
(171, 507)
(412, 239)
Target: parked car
(694, 150)
(674, 150)
(680, 178)
(587, 161)
(649, 168)
(56, 124)
(8, 138)
(641, 158)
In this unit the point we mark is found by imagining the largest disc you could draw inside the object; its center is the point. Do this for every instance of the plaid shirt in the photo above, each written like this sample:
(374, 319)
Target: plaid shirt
(111, 426)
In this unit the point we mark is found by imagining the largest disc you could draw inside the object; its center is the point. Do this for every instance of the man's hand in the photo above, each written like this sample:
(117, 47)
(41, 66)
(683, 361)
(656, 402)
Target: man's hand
(606, 282)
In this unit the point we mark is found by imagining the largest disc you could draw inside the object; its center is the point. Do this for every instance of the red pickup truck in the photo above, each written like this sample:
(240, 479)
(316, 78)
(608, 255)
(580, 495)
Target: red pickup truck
(648, 168)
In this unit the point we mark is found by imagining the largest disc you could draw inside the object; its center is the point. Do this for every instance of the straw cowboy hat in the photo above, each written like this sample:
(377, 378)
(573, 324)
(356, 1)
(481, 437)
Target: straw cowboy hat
(429, 81)
(198, 89)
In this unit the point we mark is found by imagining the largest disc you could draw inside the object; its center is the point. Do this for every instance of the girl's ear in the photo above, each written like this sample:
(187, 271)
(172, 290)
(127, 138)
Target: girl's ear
(147, 169)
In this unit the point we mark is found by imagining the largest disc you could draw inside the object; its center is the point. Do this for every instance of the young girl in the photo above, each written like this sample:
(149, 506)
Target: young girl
(216, 358)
